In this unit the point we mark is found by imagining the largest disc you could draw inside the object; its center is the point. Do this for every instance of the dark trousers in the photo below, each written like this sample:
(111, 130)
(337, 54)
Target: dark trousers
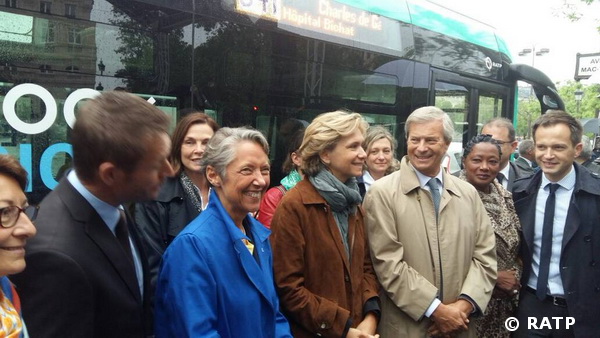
(530, 306)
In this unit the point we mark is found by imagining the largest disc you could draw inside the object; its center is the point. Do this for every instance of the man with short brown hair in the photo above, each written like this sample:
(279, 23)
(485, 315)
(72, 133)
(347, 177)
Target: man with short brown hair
(86, 273)
(559, 209)
(503, 131)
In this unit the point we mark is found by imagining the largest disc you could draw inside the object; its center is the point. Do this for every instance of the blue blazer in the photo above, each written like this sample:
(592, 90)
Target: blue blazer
(580, 255)
(210, 285)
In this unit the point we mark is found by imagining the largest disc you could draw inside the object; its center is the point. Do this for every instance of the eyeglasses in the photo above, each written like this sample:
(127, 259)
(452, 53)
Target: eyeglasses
(9, 215)
(497, 140)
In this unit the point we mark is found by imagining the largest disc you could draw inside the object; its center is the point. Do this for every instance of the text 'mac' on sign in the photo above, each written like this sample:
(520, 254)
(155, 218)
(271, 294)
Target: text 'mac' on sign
(587, 65)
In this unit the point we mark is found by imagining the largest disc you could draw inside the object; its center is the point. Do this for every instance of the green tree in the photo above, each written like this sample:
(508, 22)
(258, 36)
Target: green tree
(589, 105)
(574, 12)
(529, 111)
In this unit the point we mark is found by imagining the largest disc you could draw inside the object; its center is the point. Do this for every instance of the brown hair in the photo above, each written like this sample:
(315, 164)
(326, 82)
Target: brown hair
(502, 122)
(114, 127)
(179, 135)
(10, 167)
(295, 142)
(554, 117)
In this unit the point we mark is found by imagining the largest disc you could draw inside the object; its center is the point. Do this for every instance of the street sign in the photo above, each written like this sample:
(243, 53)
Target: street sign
(587, 65)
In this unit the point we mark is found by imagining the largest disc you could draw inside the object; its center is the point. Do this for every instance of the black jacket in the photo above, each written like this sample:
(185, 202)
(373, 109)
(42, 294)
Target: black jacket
(163, 219)
(580, 256)
(78, 282)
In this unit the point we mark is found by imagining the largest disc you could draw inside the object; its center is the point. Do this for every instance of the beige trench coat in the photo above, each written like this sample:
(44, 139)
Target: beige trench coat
(417, 258)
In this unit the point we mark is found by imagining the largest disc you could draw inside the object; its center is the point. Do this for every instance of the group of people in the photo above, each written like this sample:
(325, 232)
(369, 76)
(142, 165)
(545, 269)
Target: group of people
(352, 243)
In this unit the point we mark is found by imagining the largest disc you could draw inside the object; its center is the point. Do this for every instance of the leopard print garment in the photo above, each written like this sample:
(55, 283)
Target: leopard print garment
(505, 222)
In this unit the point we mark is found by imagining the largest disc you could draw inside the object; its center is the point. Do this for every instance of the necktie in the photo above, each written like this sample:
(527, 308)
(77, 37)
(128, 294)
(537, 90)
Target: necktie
(500, 178)
(435, 193)
(122, 235)
(546, 250)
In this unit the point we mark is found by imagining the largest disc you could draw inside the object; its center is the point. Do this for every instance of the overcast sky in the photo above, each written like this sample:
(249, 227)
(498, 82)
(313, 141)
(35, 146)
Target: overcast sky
(527, 23)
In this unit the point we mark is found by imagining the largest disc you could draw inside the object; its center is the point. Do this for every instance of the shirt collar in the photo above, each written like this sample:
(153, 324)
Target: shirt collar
(367, 178)
(109, 214)
(505, 171)
(567, 182)
(423, 179)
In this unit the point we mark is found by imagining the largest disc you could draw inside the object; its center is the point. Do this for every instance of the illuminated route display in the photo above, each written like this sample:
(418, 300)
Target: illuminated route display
(326, 19)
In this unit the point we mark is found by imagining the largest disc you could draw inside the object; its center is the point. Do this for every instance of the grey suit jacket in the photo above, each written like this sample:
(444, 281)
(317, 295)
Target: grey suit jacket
(515, 173)
(79, 281)
(524, 166)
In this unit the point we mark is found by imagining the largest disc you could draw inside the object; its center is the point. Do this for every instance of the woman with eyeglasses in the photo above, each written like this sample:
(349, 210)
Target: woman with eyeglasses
(16, 227)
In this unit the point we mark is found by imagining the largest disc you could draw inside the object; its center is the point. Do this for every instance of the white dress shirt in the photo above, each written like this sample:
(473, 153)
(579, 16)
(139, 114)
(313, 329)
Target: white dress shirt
(563, 199)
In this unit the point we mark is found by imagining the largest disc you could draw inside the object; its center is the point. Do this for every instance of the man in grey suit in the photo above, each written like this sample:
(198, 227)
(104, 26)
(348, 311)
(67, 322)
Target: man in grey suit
(526, 161)
(585, 157)
(503, 131)
(86, 273)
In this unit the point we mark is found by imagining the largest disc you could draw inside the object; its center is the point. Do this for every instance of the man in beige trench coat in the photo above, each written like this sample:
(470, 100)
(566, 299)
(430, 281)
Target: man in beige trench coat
(436, 268)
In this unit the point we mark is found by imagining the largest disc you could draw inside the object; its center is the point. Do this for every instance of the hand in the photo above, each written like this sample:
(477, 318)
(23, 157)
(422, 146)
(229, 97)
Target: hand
(449, 319)
(356, 333)
(507, 282)
(369, 324)
(463, 305)
(435, 332)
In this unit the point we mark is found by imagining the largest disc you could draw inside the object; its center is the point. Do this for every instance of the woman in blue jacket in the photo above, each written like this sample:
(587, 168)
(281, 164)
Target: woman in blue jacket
(216, 279)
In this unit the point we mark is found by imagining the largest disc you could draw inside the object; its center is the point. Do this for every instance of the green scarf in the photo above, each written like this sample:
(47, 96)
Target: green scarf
(291, 179)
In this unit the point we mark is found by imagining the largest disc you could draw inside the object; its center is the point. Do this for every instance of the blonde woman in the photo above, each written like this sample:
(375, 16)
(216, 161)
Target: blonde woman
(380, 146)
(322, 266)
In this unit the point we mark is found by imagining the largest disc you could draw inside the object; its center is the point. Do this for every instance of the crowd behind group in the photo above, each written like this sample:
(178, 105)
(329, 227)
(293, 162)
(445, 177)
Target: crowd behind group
(180, 236)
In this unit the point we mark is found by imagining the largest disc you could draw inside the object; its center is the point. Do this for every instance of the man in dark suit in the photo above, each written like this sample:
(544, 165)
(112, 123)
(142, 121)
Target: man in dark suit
(559, 209)
(526, 161)
(585, 157)
(503, 131)
(86, 270)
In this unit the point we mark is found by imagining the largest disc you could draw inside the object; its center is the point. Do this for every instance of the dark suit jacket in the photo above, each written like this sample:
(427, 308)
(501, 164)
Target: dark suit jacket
(78, 281)
(161, 220)
(515, 173)
(524, 167)
(580, 256)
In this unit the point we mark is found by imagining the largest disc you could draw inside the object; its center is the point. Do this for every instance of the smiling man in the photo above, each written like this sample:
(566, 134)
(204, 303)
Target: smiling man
(503, 131)
(559, 212)
(87, 273)
(431, 241)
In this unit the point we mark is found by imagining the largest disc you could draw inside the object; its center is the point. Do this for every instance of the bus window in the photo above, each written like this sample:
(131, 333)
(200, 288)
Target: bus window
(490, 106)
(454, 100)
(387, 121)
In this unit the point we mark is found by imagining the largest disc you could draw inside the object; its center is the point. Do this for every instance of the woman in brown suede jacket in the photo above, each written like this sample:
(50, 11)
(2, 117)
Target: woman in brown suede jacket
(323, 271)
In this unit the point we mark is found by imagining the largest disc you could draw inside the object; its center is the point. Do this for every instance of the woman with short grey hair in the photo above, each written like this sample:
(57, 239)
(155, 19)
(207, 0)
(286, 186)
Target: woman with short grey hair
(216, 278)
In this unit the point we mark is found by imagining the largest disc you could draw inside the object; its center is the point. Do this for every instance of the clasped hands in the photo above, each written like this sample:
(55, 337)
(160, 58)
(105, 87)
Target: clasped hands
(366, 328)
(449, 319)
